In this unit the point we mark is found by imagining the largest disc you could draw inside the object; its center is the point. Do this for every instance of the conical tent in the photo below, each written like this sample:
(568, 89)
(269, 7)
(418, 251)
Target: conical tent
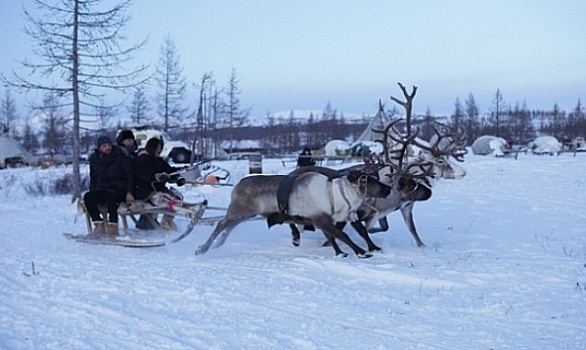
(378, 122)
(9, 148)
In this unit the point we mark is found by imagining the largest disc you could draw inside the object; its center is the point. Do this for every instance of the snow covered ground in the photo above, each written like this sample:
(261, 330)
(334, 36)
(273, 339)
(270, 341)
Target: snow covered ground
(504, 268)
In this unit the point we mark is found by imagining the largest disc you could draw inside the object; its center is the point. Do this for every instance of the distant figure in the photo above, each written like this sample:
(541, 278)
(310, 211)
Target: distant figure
(305, 158)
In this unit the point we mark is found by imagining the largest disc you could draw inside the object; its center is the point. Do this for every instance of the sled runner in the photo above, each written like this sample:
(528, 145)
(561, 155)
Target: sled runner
(169, 205)
(119, 241)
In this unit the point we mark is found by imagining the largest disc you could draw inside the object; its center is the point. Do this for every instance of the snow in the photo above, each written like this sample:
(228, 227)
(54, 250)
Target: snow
(504, 268)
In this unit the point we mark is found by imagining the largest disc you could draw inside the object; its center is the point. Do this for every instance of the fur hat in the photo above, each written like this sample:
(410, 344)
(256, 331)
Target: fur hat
(124, 134)
(102, 140)
(151, 146)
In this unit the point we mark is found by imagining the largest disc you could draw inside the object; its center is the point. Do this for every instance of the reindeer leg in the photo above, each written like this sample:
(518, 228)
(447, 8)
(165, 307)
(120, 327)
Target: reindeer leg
(407, 213)
(337, 250)
(296, 235)
(329, 240)
(222, 238)
(221, 226)
(359, 227)
(384, 226)
(325, 224)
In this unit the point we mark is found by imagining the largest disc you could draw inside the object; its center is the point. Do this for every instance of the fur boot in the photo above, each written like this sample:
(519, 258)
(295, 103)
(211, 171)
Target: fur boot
(168, 224)
(112, 229)
(147, 222)
(99, 228)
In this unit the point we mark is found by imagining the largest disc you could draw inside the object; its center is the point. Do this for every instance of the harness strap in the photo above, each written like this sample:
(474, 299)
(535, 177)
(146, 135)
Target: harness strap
(352, 216)
(283, 192)
(341, 186)
(331, 196)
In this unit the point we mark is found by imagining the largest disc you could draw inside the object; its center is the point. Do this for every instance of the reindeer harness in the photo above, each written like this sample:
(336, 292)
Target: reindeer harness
(284, 191)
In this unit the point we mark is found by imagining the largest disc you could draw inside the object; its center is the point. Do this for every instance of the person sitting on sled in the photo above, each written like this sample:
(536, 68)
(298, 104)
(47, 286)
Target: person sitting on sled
(128, 145)
(152, 172)
(111, 182)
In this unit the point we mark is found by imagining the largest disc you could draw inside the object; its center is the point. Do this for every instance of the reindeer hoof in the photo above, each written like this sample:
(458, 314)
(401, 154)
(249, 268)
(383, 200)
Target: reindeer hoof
(295, 242)
(375, 249)
(364, 256)
(326, 244)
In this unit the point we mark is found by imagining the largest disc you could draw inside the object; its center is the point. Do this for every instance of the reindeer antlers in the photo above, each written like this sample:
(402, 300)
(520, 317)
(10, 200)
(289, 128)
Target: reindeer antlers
(408, 104)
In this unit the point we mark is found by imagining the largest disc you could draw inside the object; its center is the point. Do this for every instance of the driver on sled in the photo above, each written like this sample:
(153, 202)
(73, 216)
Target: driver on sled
(152, 172)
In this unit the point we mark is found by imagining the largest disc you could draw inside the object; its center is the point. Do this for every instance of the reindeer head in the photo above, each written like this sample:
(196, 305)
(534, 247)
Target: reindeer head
(368, 185)
(444, 147)
(433, 160)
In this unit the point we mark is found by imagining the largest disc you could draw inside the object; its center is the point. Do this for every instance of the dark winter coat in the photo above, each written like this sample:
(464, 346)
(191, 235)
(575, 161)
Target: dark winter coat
(111, 172)
(305, 158)
(146, 168)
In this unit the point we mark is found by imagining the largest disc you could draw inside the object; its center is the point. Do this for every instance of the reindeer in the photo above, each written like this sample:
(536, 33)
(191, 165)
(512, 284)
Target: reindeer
(406, 183)
(431, 164)
(332, 174)
(314, 200)
(411, 181)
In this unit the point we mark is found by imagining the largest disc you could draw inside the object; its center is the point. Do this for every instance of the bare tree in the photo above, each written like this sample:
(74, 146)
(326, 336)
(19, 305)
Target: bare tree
(458, 115)
(472, 123)
(172, 85)
(80, 57)
(54, 119)
(30, 140)
(498, 110)
(105, 113)
(558, 118)
(428, 124)
(7, 111)
(201, 143)
(140, 106)
(577, 121)
(235, 116)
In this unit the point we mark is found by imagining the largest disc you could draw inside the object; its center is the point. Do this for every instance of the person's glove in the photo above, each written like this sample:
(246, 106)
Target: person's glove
(162, 177)
(180, 181)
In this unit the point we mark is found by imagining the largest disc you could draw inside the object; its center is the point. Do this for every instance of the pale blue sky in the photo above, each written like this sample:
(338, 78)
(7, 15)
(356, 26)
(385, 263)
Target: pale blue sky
(302, 54)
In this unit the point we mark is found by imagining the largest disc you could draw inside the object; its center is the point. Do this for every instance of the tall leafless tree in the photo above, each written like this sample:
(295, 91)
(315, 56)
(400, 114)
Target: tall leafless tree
(140, 106)
(7, 111)
(458, 115)
(54, 119)
(105, 113)
(172, 84)
(79, 57)
(200, 138)
(577, 121)
(30, 140)
(235, 116)
(471, 124)
(499, 109)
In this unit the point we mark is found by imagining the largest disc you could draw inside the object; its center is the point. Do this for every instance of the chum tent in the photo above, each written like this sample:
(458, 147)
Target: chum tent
(378, 122)
(10, 148)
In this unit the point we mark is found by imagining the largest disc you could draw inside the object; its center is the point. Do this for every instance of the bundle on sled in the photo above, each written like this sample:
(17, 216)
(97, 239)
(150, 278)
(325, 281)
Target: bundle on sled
(204, 173)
